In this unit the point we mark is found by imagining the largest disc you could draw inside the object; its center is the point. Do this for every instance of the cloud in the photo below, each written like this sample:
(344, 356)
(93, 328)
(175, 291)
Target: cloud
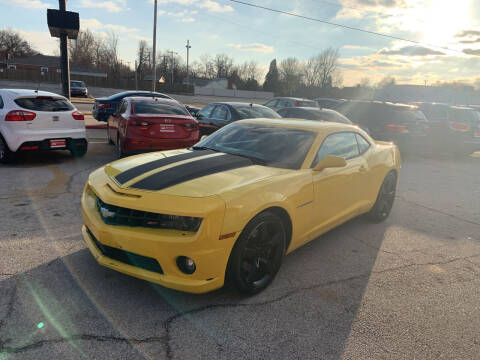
(213, 6)
(255, 47)
(468, 33)
(355, 9)
(110, 6)
(28, 4)
(41, 41)
(472, 51)
(95, 25)
(411, 51)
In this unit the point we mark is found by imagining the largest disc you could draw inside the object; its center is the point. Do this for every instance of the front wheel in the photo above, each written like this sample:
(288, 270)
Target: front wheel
(385, 198)
(257, 254)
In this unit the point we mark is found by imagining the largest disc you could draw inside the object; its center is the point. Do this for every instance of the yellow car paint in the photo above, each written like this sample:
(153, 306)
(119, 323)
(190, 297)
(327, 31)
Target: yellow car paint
(313, 202)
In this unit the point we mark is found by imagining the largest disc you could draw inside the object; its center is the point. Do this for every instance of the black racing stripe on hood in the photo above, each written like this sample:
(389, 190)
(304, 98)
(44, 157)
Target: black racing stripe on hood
(132, 173)
(190, 171)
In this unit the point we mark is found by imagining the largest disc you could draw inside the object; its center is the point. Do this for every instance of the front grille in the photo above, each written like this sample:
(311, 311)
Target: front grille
(116, 215)
(127, 257)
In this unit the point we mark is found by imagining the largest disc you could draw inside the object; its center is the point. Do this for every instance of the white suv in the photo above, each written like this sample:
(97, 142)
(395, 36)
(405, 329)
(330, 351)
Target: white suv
(39, 120)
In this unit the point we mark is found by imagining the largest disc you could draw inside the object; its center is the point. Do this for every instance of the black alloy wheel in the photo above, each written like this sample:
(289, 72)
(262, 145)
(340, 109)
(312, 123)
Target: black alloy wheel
(386, 197)
(258, 254)
(119, 148)
(79, 151)
(109, 138)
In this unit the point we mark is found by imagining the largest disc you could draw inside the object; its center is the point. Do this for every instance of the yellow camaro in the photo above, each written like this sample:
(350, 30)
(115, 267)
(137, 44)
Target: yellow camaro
(232, 206)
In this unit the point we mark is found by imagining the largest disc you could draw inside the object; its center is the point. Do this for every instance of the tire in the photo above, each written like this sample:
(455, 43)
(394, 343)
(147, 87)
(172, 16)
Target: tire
(6, 156)
(119, 148)
(385, 198)
(109, 139)
(257, 254)
(79, 151)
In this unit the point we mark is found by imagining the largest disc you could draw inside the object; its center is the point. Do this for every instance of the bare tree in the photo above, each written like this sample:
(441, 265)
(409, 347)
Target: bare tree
(386, 81)
(322, 69)
(13, 45)
(223, 65)
(143, 62)
(290, 74)
(206, 63)
(83, 49)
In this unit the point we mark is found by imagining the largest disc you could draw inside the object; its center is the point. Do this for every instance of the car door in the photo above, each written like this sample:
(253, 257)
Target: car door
(220, 116)
(339, 192)
(115, 121)
(204, 119)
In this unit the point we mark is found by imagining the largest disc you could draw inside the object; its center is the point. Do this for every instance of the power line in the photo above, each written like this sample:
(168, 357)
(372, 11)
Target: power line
(345, 26)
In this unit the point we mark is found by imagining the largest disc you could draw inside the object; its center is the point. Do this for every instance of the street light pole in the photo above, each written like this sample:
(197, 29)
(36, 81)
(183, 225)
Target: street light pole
(188, 53)
(154, 72)
(64, 63)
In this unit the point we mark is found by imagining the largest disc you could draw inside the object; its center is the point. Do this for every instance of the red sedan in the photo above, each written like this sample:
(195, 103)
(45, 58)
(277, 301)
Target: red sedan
(149, 124)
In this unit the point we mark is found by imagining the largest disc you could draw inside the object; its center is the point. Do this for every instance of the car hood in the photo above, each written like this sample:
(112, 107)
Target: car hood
(187, 173)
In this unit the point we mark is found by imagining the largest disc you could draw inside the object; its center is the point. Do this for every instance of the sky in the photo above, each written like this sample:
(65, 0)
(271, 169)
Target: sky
(445, 33)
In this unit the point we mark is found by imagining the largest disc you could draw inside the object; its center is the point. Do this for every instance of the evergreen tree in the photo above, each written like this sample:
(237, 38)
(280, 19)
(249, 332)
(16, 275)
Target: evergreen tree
(272, 79)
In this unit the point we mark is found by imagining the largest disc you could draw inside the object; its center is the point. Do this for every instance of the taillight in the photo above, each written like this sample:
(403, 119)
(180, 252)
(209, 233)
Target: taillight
(396, 128)
(103, 106)
(190, 126)
(77, 115)
(459, 126)
(297, 103)
(20, 115)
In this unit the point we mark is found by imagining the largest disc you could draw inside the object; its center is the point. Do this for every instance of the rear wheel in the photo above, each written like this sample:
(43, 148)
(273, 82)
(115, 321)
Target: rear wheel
(385, 199)
(6, 155)
(109, 138)
(79, 148)
(257, 254)
(119, 148)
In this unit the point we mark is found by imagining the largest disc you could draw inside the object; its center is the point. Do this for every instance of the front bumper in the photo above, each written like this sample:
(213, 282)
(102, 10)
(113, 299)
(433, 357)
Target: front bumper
(165, 246)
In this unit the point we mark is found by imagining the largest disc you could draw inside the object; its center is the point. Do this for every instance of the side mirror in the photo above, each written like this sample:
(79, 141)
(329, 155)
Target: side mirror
(330, 161)
(199, 115)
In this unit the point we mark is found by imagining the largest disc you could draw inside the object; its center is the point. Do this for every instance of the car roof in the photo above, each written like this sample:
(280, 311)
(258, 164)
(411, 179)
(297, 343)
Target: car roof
(301, 124)
(150, 98)
(306, 108)
(28, 92)
(236, 103)
(292, 98)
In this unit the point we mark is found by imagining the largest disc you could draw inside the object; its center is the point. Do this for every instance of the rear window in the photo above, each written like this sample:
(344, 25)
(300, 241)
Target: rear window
(305, 103)
(408, 116)
(77, 84)
(465, 116)
(253, 112)
(156, 107)
(44, 104)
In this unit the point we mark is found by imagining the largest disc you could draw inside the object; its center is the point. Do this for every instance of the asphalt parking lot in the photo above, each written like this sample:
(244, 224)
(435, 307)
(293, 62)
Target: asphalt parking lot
(404, 289)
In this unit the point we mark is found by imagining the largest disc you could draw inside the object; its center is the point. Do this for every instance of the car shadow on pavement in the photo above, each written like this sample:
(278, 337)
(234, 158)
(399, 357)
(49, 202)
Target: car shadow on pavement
(74, 308)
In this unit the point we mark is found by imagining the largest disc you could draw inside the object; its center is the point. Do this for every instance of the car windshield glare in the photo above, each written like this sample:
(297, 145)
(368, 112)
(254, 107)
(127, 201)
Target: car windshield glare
(160, 108)
(252, 112)
(274, 146)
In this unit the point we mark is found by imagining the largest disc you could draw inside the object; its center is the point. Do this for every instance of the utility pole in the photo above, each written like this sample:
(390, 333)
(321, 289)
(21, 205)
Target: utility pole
(188, 53)
(136, 75)
(173, 61)
(64, 63)
(154, 72)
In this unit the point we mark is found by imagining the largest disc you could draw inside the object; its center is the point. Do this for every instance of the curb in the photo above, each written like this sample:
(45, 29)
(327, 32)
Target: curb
(96, 127)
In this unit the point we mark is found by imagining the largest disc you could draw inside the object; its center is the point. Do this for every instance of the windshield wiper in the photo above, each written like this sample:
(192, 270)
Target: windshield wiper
(203, 148)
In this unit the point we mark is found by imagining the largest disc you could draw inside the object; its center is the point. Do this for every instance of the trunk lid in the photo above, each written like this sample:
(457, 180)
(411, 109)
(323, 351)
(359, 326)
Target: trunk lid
(162, 126)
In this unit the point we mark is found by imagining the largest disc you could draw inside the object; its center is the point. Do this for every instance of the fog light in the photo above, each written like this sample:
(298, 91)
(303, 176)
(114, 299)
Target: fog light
(186, 265)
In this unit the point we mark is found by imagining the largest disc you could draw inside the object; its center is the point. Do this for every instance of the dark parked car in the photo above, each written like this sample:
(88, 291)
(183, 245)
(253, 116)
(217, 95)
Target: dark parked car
(452, 128)
(214, 116)
(78, 88)
(310, 113)
(330, 103)
(104, 107)
(193, 110)
(148, 124)
(284, 102)
(404, 124)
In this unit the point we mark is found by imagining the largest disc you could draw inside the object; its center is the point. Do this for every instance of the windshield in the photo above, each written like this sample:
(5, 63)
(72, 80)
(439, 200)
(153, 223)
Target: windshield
(252, 112)
(157, 107)
(270, 145)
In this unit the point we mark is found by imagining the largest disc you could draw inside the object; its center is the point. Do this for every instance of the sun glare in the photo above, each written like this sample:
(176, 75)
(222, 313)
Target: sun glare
(444, 19)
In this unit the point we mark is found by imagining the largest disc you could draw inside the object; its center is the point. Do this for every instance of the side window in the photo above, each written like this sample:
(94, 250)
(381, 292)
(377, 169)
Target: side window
(206, 111)
(122, 107)
(340, 144)
(1, 103)
(272, 103)
(363, 145)
(220, 113)
(283, 104)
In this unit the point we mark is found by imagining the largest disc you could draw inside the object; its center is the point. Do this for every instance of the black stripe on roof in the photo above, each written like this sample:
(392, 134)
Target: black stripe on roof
(190, 171)
(136, 171)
